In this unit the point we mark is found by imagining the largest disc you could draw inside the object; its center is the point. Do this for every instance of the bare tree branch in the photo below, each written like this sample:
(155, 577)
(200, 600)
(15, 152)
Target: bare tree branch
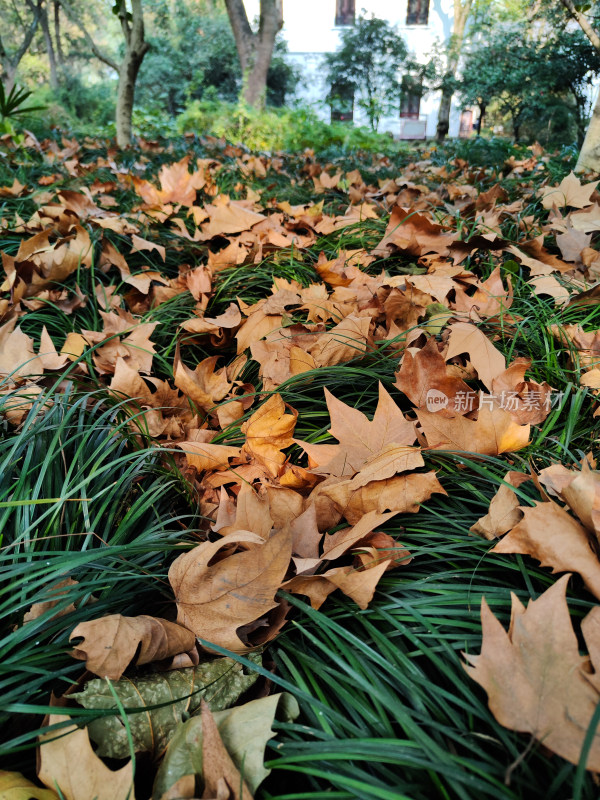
(10, 63)
(584, 23)
(92, 44)
(242, 32)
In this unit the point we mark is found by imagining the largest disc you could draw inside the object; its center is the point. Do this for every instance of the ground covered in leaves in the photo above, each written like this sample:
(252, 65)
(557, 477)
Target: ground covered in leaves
(274, 430)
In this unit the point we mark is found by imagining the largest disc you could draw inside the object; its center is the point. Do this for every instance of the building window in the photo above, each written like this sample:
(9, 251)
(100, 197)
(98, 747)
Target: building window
(417, 12)
(341, 99)
(410, 99)
(466, 123)
(344, 12)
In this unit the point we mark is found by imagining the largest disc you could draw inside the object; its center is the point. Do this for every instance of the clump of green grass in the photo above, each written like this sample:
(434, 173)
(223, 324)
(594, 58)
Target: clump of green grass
(79, 499)
(387, 710)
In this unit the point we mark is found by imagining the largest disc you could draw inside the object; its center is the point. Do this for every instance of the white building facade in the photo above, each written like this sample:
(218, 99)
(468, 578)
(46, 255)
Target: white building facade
(313, 28)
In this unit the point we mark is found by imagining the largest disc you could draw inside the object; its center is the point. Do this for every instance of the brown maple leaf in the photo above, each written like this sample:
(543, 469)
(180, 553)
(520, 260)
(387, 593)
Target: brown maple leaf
(205, 386)
(67, 761)
(580, 489)
(345, 341)
(269, 431)
(492, 433)
(177, 185)
(553, 537)
(111, 643)
(487, 360)
(424, 372)
(535, 678)
(414, 233)
(570, 192)
(218, 592)
(359, 438)
(504, 512)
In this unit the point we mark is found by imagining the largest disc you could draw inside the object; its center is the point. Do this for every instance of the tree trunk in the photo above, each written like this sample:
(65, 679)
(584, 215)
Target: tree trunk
(589, 155)
(49, 50)
(482, 110)
(461, 15)
(9, 77)
(60, 58)
(255, 50)
(10, 64)
(242, 32)
(443, 124)
(135, 49)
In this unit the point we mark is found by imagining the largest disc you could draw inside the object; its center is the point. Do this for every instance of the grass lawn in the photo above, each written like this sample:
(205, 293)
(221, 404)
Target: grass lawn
(387, 710)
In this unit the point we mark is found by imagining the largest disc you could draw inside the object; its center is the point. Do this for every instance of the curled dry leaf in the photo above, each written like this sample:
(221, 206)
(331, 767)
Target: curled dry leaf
(166, 698)
(204, 385)
(504, 512)
(17, 357)
(402, 494)
(426, 372)
(68, 762)
(14, 786)
(177, 185)
(220, 775)
(527, 402)
(217, 592)
(268, 431)
(343, 342)
(110, 643)
(579, 489)
(208, 456)
(492, 433)
(244, 730)
(535, 678)
(487, 360)
(551, 535)
(56, 593)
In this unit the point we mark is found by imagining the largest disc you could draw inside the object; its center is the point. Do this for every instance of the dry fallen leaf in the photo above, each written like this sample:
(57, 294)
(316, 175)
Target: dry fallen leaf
(552, 536)
(217, 593)
(55, 593)
(492, 433)
(535, 678)
(579, 489)
(68, 762)
(204, 385)
(425, 372)
(268, 431)
(570, 192)
(222, 779)
(177, 185)
(110, 643)
(504, 512)
(400, 494)
(343, 342)
(208, 456)
(359, 438)
(14, 786)
(487, 360)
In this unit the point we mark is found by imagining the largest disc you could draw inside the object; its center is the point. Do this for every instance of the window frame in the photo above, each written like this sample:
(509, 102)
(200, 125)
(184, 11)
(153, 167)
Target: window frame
(411, 94)
(345, 13)
(341, 103)
(417, 12)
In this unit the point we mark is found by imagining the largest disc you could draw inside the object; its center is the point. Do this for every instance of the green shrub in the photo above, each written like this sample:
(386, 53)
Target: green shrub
(282, 129)
(74, 106)
(180, 67)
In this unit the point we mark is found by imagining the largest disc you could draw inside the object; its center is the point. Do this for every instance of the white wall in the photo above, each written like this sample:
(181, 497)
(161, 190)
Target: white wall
(309, 30)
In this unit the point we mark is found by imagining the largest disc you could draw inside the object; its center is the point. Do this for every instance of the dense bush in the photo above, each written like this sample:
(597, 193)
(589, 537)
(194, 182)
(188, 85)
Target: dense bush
(281, 129)
(180, 68)
(76, 105)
